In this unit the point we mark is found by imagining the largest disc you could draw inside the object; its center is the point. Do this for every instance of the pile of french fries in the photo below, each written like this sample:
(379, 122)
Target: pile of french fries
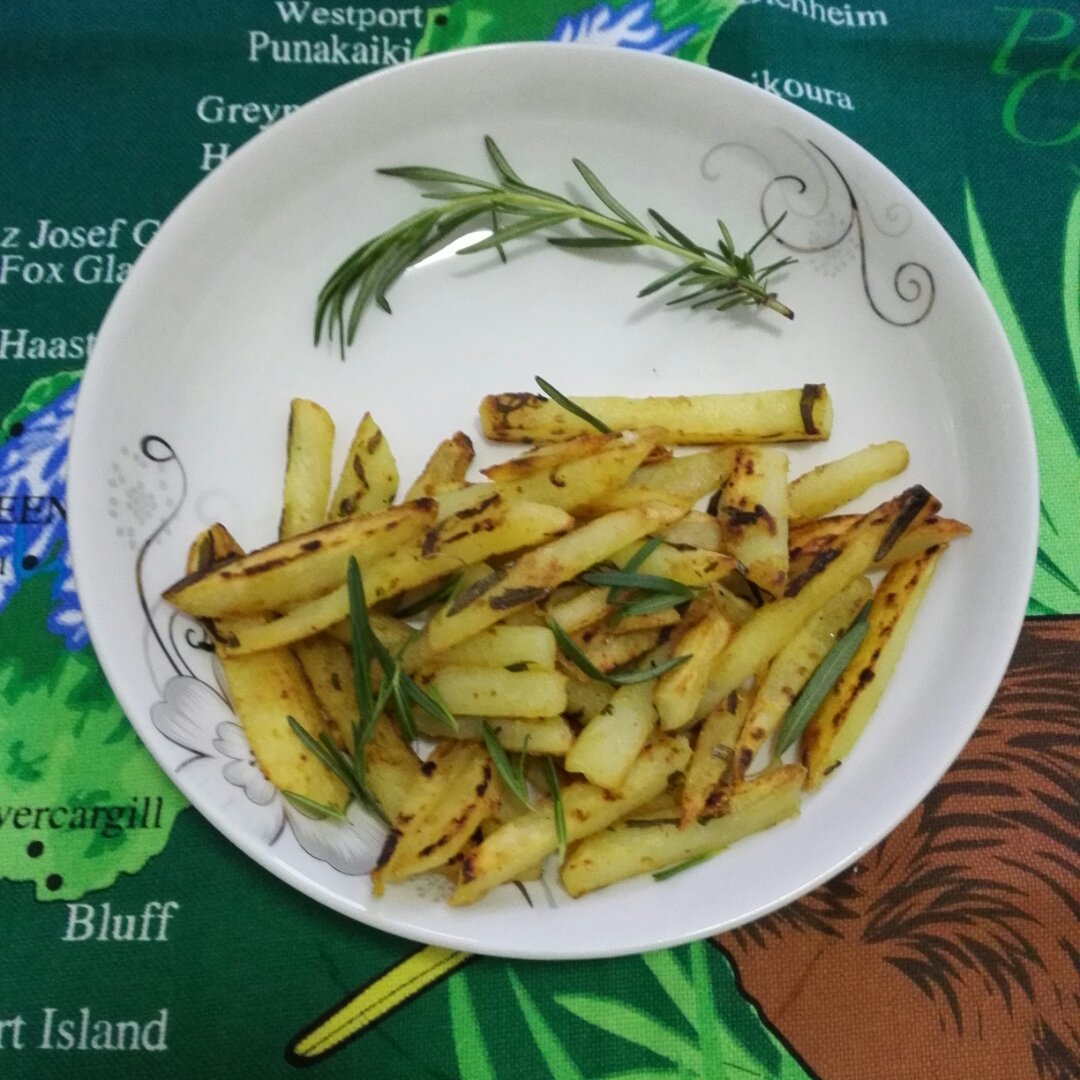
(652, 771)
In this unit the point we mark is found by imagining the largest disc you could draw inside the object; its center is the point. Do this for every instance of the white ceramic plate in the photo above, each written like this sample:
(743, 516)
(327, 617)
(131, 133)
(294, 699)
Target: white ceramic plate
(182, 414)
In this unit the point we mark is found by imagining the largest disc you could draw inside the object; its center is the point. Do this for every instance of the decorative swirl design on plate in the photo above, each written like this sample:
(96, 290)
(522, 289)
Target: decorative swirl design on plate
(194, 713)
(822, 211)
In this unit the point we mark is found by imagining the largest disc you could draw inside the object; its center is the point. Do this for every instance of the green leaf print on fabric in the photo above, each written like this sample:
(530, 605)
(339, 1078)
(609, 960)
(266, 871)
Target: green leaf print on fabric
(81, 799)
(1055, 589)
(687, 1021)
(683, 28)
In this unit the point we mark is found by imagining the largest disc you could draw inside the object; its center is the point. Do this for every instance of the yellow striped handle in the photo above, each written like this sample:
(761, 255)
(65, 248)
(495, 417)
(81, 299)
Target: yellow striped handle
(419, 971)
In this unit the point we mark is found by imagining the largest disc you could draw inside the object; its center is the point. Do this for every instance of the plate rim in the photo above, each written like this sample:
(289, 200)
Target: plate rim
(370, 915)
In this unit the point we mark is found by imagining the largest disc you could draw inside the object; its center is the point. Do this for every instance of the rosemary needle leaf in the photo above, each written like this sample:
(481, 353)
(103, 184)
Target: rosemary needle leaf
(428, 174)
(515, 231)
(645, 605)
(513, 778)
(678, 868)
(570, 406)
(552, 779)
(592, 242)
(821, 682)
(430, 599)
(630, 678)
(634, 562)
(622, 579)
(569, 649)
(498, 159)
(606, 197)
(676, 234)
(666, 279)
(311, 807)
(361, 635)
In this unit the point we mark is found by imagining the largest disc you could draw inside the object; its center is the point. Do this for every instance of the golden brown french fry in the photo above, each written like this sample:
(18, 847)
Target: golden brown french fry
(446, 468)
(536, 573)
(705, 789)
(529, 648)
(392, 768)
(697, 530)
(265, 690)
(328, 667)
(625, 851)
(932, 532)
(607, 747)
(585, 699)
(688, 566)
(792, 666)
(507, 526)
(679, 480)
(534, 735)
(753, 514)
(488, 691)
(309, 449)
(828, 486)
(772, 626)
(678, 692)
(369, 478)
(844, 713)
(607, 651)
(522, 842)
(303, 566)
(766, 416)
(437, 821)
(582, 481)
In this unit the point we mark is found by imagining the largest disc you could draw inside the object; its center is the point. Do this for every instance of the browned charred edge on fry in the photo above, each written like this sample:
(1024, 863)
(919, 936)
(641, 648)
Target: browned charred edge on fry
(388, 847)
(503, 405)
(811, 394)
(479, 508)
(515, 597)
(817, 564)
(475, 591)
(255, 567)
(913, 501)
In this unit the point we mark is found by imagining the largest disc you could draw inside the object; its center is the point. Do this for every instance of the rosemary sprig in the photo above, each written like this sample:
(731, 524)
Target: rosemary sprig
(821, 682)
(623, 579)
(572, 653)
(719, 278)
(395, 687)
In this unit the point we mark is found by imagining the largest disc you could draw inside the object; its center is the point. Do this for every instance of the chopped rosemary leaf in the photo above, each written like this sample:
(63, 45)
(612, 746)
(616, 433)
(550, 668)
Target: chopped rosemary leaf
(342, 766)
(570, 406)
(678, 868)
(821, 682)
(629, 678)
(569, 649)
(437, 595)
(552, 778)
(644, 605)
(360, 630)
(621, 579)
(312, 807)
(513, 778)
(634, 562)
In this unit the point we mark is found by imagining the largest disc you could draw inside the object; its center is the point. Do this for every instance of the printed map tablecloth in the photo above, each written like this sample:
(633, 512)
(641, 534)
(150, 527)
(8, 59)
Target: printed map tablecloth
(137, 941)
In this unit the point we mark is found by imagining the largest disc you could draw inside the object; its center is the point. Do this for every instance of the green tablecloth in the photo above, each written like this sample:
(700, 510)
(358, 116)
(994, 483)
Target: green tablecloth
(155, 950)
